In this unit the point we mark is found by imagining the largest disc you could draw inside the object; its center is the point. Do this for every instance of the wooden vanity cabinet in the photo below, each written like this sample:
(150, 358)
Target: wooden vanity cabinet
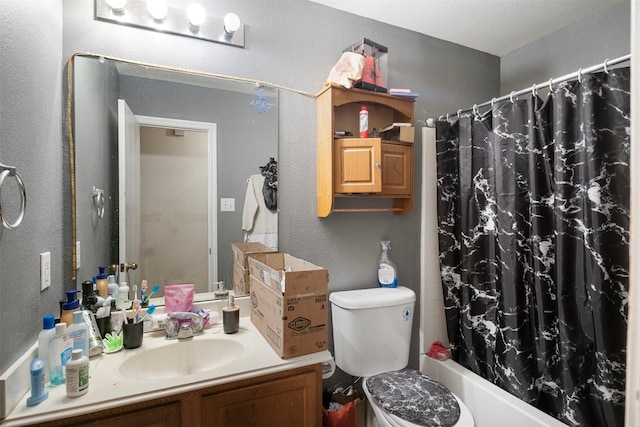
(353, 167)
(291, 398)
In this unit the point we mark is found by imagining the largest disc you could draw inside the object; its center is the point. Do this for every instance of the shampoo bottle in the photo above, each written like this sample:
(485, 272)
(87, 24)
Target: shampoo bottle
(231, 317)
(102, 282)
(77, 374)
(45, 336)
(78, 332)
(387, 272)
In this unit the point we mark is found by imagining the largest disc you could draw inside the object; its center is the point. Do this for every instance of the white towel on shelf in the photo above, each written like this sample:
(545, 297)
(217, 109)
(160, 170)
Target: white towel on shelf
(259, 224)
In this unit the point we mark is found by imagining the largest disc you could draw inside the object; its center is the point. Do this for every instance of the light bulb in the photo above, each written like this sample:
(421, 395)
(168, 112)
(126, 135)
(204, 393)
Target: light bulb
(157, 9)
(231, 23)
(196, 15)
(117, 5)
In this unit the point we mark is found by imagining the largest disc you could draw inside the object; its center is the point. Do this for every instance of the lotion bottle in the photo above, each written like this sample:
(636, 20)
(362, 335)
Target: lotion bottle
(45, 336)
(112, 288)
(59, 354)
(102, 282)
(231, 317)
(77, 374)
(72, 304)
(387, 272)
(122, 302)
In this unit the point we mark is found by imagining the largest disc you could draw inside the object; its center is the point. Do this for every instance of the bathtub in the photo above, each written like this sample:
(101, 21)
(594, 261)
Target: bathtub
(490, 405)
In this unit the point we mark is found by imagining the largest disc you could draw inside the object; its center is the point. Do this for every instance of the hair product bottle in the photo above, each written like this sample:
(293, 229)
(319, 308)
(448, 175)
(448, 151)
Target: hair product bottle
(77, 374)
(364, 122)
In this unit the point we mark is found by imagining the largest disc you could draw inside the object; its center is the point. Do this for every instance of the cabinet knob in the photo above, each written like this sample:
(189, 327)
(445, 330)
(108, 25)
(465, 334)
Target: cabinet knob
(379, 165)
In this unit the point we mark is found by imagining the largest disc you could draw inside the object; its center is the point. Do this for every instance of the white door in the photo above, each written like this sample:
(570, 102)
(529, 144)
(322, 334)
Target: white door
(128, 186)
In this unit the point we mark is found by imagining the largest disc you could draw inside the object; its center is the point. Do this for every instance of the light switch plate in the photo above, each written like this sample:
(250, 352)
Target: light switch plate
(227, 205)
(45, 270)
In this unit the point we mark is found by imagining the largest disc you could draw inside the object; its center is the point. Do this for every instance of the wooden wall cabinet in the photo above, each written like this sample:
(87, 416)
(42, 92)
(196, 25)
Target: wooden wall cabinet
(353, 167)
(291, 398)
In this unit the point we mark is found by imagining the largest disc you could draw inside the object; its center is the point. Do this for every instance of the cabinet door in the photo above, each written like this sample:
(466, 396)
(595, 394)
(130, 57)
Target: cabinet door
(397, 169)
(292, 401)
(167, 416)
(357, 165)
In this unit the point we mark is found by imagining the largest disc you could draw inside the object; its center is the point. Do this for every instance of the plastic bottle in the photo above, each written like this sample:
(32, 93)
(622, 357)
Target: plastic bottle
(45, 336)
(72, 304)
(231, 317)
(364, 122)
(78, 332)
(77, 374)
(122, 303)
(102, 282)
(38, 391)
(112, 287)
(387, 272)
(59, 353)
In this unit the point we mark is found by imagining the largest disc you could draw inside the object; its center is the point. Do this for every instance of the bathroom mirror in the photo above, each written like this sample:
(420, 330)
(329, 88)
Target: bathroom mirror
(198, 139)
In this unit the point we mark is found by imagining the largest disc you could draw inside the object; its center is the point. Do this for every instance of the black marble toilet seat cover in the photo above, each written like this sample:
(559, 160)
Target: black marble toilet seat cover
(414, 397)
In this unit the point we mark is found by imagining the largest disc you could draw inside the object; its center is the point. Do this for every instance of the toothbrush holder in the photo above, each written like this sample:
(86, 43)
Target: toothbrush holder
(132, 334)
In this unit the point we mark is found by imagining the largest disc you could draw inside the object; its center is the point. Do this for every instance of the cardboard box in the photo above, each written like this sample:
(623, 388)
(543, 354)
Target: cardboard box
(398, 133)
(241, 253)
(289, 307)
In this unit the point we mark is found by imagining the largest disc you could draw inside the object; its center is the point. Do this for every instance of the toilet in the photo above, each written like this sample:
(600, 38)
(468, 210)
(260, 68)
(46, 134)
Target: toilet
(372, 335)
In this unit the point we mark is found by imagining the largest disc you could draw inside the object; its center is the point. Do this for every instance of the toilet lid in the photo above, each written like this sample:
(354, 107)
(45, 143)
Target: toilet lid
(414, 397)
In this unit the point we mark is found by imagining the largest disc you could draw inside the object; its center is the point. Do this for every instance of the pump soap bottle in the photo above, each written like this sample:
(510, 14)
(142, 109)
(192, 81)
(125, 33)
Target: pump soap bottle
(72, 304)
(387, 272)
(231, 317)
(102, 282)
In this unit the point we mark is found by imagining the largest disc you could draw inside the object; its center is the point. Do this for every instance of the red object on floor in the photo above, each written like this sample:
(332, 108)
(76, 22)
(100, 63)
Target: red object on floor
(438, 351)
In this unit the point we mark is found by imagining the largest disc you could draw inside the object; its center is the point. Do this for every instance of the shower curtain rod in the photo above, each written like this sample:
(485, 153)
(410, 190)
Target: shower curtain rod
(551, 82)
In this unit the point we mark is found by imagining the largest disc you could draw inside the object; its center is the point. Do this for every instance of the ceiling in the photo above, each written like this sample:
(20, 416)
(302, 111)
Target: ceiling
(493, 26)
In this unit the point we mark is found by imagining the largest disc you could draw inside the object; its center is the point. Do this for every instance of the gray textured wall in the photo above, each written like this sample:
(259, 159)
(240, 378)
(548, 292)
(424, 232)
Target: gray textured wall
(588, 42)
(299, 54)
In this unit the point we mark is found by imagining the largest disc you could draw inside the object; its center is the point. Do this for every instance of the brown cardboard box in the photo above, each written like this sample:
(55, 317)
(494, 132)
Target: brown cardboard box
(295, 320)
(399, 133)
(241, 253)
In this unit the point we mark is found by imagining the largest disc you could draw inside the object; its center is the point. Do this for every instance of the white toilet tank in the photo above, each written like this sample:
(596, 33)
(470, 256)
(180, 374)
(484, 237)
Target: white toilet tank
(372, 329)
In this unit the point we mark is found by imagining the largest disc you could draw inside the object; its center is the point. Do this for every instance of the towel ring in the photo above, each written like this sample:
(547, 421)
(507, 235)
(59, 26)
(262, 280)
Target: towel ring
(605, 66)
(11, 171)
(98, 201)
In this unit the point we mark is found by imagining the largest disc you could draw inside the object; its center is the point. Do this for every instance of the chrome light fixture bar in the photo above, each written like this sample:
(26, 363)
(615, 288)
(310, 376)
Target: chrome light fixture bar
(156, 15)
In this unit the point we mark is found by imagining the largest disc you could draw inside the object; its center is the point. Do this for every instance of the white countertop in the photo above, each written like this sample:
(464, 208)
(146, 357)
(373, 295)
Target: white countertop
(108, 388)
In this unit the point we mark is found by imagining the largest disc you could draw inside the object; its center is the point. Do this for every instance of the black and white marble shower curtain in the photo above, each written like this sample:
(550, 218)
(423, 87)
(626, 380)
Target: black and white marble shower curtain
(533, 225)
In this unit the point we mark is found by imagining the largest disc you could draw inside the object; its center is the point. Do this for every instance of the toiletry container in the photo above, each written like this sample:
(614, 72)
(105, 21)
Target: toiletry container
(59, 354)
(122, 303)
(231, 317)
(45, 337)
(72, 304)
(112, 288)
(77, 374)
(102, 282)
(38, 391)
(387, 272)
(364, 122)
(96, 346)
(79, 333)
(89, 298)
(372, 338)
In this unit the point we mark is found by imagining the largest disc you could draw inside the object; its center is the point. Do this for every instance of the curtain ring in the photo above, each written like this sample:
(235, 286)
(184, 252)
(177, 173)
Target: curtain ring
(476, 113)
(534, 91)
(442, 117)
(551, 86)
(579, 75)
(605, 66)
(493, 100)
(458, 113)
(511, 96)
(23, 200)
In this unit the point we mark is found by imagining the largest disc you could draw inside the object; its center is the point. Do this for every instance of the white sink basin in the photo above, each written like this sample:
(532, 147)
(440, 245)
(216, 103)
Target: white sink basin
(181, 358)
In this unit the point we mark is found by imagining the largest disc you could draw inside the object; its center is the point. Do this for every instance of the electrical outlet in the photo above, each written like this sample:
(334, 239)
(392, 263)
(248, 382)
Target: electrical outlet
(45, 270)
(227, 205)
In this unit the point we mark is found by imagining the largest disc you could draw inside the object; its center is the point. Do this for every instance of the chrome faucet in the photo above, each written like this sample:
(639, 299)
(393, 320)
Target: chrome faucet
(185, 331)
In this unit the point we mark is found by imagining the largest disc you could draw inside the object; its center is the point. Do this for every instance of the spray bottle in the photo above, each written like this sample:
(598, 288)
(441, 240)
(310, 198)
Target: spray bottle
(387, 272)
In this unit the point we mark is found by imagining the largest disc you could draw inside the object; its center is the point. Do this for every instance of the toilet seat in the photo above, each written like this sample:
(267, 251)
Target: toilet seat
(431, 390)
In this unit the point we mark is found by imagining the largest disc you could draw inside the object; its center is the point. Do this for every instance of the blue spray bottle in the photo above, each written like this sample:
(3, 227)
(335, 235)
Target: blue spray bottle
(387, 272)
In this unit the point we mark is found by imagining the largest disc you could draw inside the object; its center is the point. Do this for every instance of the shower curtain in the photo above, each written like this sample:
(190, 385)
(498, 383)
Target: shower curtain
(533, 228)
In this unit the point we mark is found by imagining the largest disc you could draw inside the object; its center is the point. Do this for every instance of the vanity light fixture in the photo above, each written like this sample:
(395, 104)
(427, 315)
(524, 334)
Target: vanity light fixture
(156, 15)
